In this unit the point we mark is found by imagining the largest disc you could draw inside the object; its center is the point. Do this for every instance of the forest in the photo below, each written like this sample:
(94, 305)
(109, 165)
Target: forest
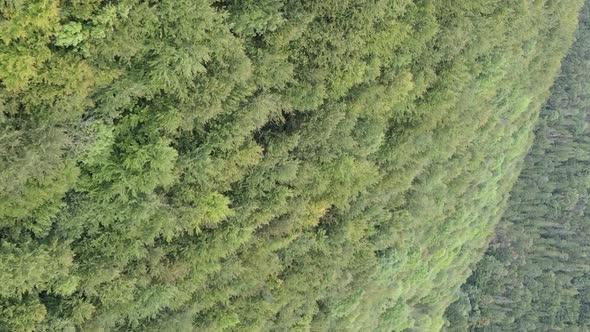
(535, 275)
(293, 165)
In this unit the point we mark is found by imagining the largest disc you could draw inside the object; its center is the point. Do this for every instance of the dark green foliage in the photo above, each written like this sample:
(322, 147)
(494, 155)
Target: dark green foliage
(535, 275)
(259, 165)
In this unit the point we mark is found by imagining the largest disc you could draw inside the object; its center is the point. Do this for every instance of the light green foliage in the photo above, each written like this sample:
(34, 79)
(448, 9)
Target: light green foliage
(534, 276)
(184, 165)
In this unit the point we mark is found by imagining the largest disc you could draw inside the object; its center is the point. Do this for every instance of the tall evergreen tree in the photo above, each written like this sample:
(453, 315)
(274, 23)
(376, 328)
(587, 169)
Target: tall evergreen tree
(334, 165)
(535, 276)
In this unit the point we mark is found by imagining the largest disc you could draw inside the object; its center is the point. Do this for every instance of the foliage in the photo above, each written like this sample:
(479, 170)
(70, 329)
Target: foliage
(259, 165)
(534, 276)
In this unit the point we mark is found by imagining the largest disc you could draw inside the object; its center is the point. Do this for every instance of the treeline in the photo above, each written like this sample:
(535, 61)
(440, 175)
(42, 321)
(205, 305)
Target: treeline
(259, 165)
(535, 276)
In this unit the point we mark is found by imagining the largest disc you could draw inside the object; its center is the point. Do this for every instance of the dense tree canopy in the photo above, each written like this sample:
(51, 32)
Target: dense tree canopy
(259, 165)
(535, 276)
